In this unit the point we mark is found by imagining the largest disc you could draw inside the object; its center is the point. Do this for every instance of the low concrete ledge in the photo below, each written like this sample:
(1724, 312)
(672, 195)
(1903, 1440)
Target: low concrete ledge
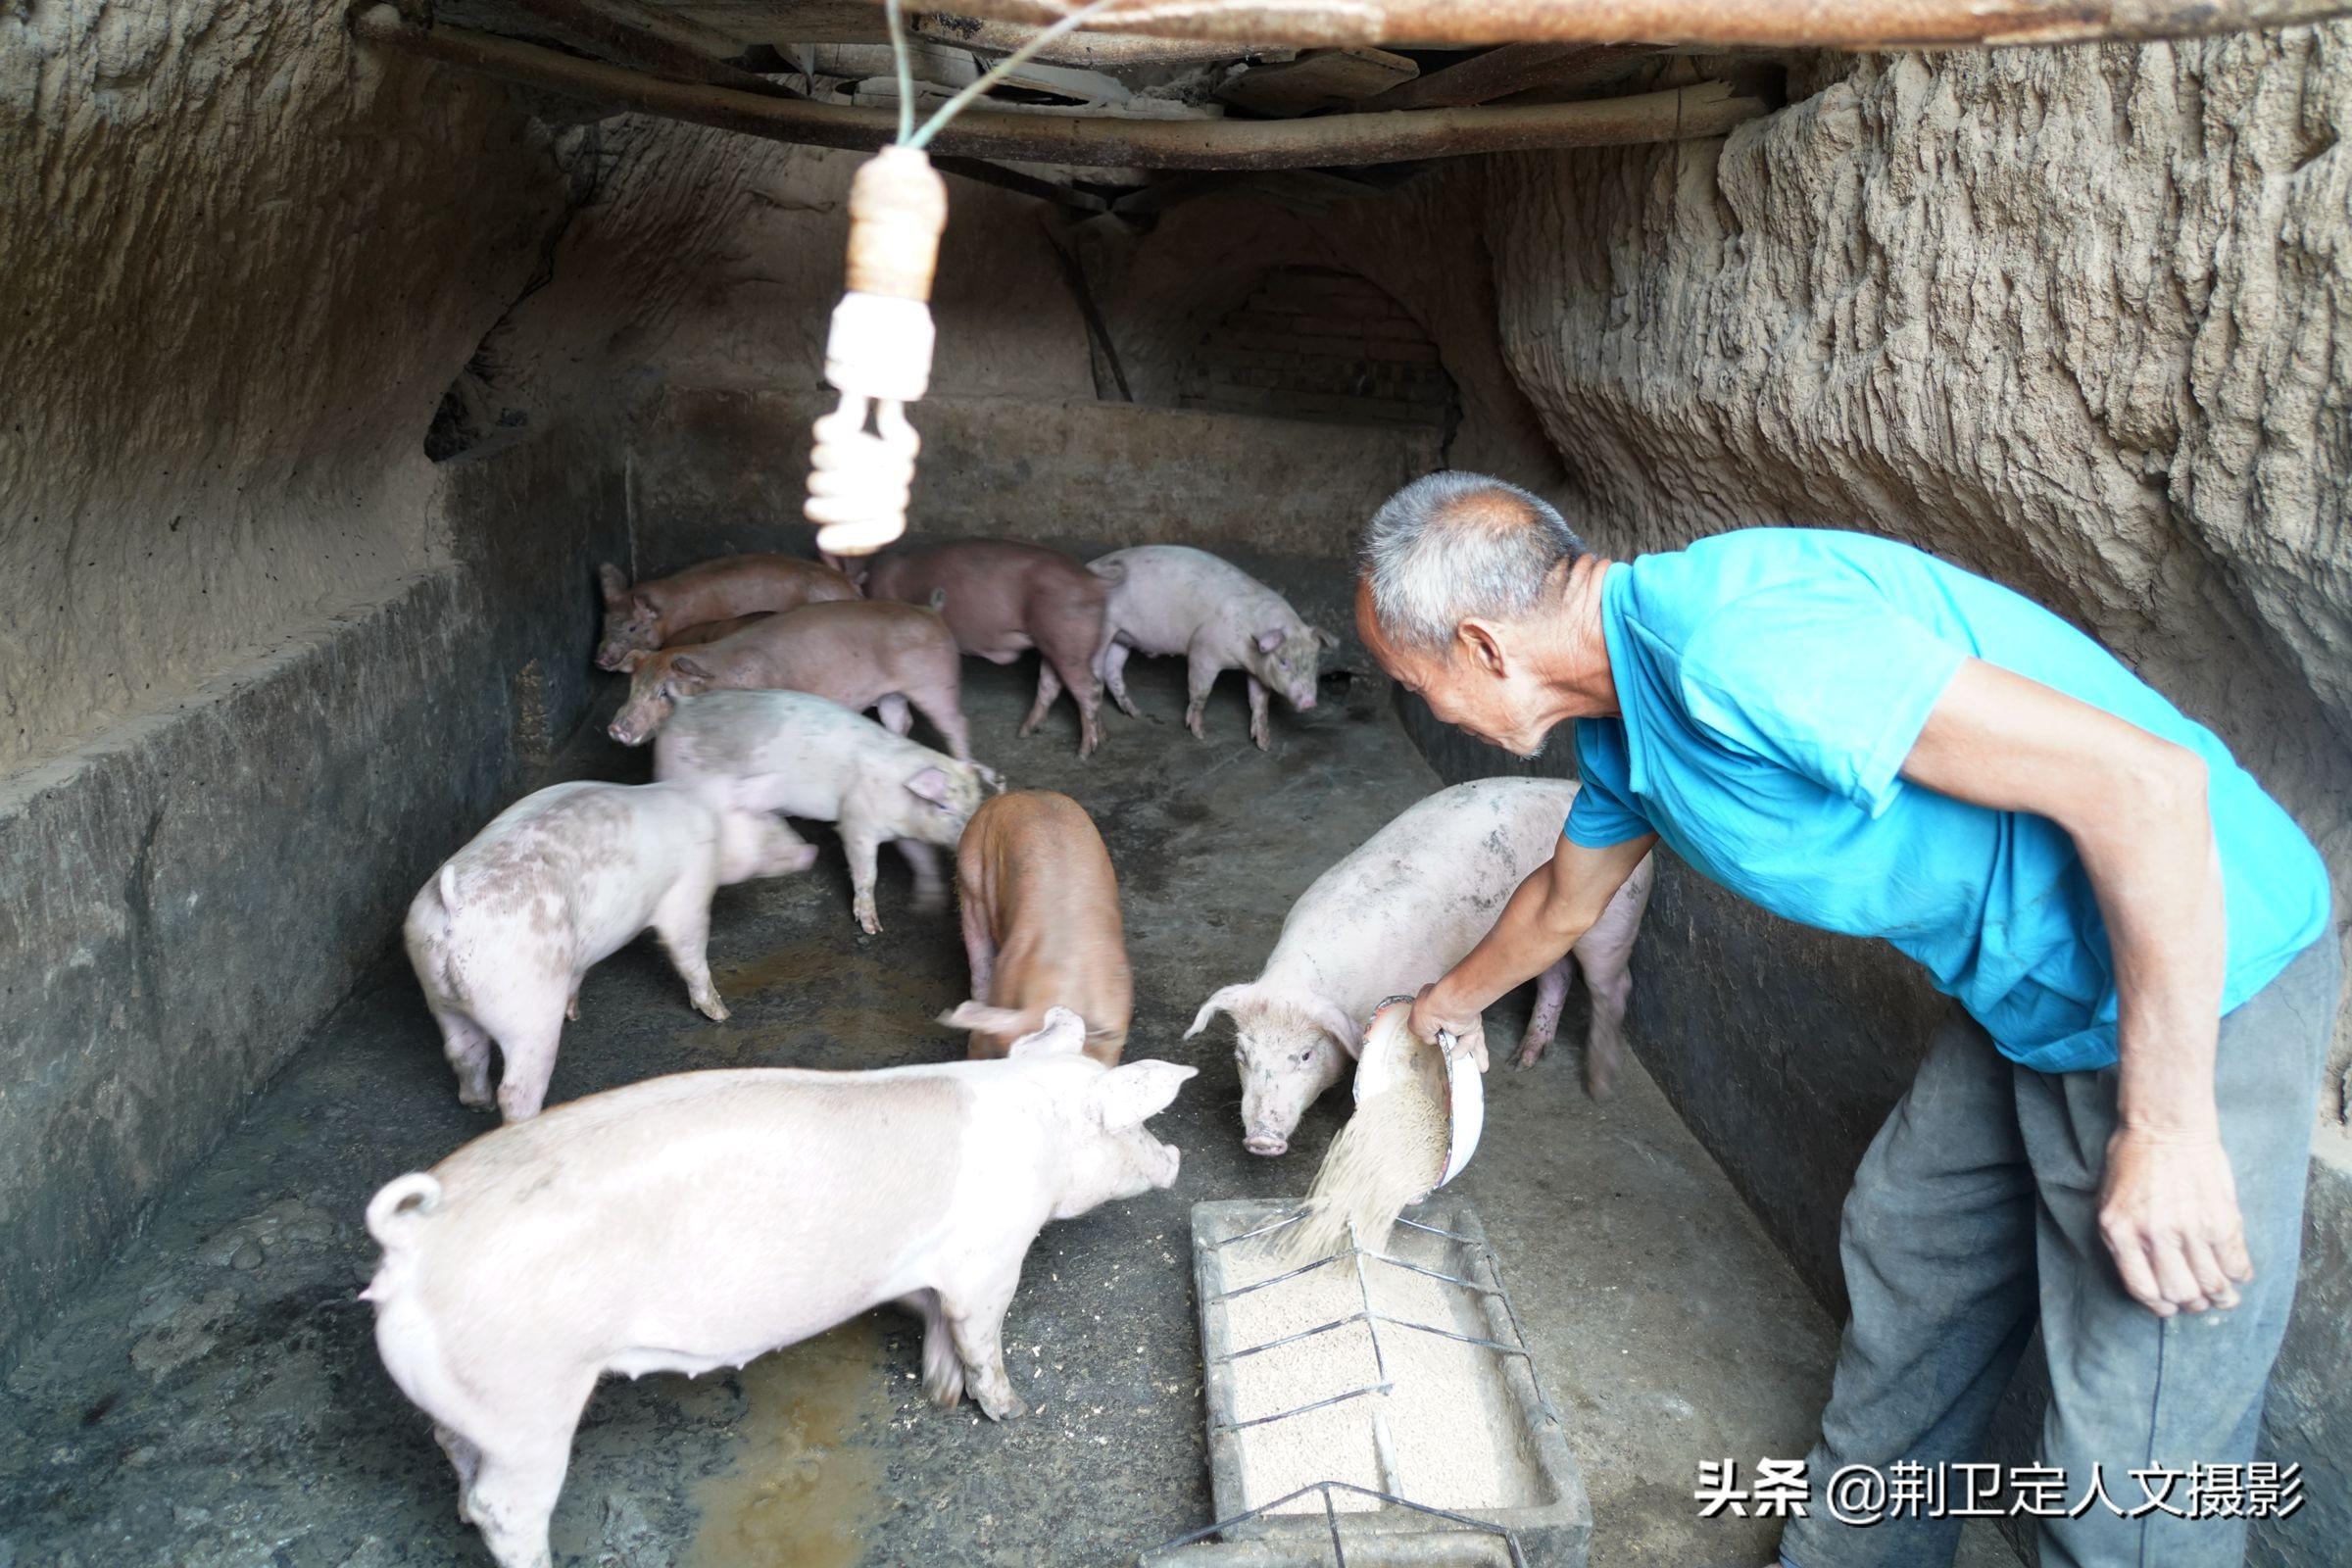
(191, 892)
(185, 897)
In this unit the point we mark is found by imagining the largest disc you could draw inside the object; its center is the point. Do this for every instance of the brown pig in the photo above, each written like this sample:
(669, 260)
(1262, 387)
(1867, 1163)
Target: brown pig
(711, 631)
(857, 654)
(1041, 925)
(651, 614)
(1002, 597)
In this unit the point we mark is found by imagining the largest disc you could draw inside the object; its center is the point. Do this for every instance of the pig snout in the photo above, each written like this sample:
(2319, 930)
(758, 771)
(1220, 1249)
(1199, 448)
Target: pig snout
(633, 724)
(1271, 1105)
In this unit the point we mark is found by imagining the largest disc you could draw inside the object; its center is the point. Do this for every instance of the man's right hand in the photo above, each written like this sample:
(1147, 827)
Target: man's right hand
(1432, 1014)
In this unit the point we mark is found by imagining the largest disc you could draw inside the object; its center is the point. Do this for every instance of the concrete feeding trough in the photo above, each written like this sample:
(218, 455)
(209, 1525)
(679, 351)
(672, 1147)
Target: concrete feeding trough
(1378, 1409)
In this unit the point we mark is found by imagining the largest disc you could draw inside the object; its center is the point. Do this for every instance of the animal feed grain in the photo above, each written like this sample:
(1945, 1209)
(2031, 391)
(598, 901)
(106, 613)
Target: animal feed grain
(1453, 1434)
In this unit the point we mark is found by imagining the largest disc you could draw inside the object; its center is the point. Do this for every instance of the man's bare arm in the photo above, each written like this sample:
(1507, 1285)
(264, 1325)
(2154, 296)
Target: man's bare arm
(1549, 914)
(2135, 805)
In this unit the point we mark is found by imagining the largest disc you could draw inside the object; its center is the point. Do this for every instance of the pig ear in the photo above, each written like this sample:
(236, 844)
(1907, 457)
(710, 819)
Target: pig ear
(1269, 640)
(1063, 1034)
(1333, 1022)
(1324, 637)
(615, 585)
(1225, 999)
(684, 668)
(930, 785)
(1130, 1095)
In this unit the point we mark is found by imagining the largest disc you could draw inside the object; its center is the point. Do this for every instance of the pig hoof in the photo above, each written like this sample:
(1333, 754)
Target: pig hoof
(1528, 1057)
(1263, 743)
(571, 1009)
(944, 1388)
(1600, 1085)
(1007, 1406)
(711, 1007)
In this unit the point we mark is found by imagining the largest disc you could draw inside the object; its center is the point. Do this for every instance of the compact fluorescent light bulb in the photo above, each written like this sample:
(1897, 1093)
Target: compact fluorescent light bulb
(878, 355)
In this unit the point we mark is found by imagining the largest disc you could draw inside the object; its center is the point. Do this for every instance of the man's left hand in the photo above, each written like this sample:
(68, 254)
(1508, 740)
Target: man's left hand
(2167, 1210)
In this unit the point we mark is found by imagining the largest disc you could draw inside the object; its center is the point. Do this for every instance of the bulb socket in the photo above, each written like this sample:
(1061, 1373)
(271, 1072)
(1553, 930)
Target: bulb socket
(898, 209)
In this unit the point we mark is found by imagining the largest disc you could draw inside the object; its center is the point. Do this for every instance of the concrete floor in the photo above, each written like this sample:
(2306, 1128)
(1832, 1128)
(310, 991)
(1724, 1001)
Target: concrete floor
(216, 1400)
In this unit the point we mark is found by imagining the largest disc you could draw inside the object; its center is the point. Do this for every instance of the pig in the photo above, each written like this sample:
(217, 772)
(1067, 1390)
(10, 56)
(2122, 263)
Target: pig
(812, 759)
(1002, 597)
(1398, 914)
(711, 631)
(558, 882)
(651, 614)
(857, 654)
(1166, 599)
(700, 1220)
(1041, 925)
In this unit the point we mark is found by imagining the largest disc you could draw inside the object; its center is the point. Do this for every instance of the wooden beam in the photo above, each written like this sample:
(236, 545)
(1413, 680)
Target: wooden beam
(1765, 24)
(783, 22)
(1500, 72)
(625, 42)
(1097, 331)
(1709, 109)
(1090, 51)
(1322, 78)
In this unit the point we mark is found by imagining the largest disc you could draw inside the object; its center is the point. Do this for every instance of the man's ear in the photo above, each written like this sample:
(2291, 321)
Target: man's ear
(1483, 646)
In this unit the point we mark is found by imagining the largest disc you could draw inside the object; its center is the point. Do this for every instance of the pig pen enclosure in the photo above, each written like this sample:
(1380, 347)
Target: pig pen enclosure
(344, 346)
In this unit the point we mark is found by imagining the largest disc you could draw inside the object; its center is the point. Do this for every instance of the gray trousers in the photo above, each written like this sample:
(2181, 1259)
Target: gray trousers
(1975, 1215)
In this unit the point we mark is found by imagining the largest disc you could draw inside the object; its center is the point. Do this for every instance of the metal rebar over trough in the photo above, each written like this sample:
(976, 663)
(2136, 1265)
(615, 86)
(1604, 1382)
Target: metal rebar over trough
(1337, 1461)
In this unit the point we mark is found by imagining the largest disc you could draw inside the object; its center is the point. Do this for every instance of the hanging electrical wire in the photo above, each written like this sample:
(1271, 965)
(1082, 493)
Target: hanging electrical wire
(898, 56)
(998, 73)
(878, 349)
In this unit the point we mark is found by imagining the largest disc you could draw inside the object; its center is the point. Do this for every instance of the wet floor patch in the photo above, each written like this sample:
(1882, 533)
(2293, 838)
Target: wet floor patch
(804, 1488)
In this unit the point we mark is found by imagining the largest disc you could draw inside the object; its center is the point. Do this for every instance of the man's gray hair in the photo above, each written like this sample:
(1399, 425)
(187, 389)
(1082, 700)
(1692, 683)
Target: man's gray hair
(1454, 545)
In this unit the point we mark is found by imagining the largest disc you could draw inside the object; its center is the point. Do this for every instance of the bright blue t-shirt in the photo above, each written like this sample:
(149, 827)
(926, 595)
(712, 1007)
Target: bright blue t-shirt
(1769, 684)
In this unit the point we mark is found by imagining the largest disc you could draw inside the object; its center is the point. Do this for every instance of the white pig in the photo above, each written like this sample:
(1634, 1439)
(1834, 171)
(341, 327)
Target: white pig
(558, 882)
(788, 751)
(1396, 914)
(1173, 599)
(697, 1221)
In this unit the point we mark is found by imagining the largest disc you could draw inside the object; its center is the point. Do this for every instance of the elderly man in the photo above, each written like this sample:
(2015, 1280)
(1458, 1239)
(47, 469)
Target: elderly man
(2108, 1134)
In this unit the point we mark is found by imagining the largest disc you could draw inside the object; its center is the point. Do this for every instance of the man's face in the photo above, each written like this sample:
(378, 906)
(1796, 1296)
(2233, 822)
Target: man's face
(1480, 685)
